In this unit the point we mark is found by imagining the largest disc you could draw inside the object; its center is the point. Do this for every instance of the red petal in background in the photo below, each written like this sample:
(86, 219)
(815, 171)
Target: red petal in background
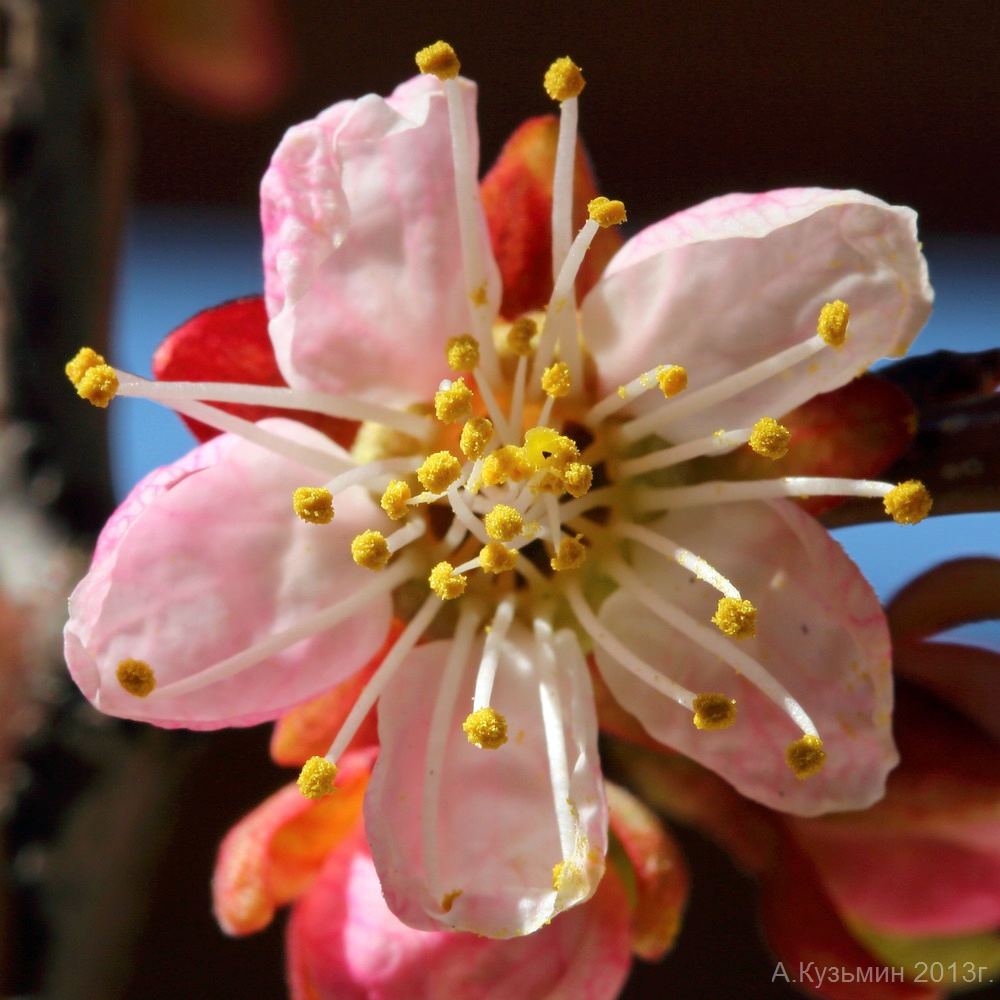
(517, 199)
(229, 343)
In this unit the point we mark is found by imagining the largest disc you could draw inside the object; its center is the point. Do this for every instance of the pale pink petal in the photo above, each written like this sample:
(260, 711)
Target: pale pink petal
(497, 833)
(206, 558)
(362, 255)
(730, 282)
(820, 632)
(345, 944)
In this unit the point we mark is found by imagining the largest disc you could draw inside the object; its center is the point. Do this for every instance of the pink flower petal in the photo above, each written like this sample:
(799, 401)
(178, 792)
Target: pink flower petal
(345, 944)
(204, 559)
(362, 255)
(820, 632)
(732, 281)
(497, 833)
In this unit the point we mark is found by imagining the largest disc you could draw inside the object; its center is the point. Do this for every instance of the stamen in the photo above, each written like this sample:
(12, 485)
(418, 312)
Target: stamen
(719, 443)
(317, 777)
(564, 80)
(439, 471)
(563, 83)
(446, 583)
(476, 436)
(313, 504)
(136, 677)
(497, 558)
(769, 439)
(98, 384)
(395, 498)
(84, 359)
(502, 619)
(714, 711)
(371, 550)
(832, 325)
(453, 404)
(570, 554)
(556, 381)
(439, 60)
(503, 523)
(908, 503)
(736, 618)
(506, 463)
(805, 756)
(486, 729)
(492, 406)
(671, 379)
(465, 516)
(520, 335)
(577, 478)
(463, 353)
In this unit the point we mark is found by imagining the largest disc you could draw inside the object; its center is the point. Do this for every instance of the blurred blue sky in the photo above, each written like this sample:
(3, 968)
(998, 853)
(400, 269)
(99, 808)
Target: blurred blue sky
(180, 260)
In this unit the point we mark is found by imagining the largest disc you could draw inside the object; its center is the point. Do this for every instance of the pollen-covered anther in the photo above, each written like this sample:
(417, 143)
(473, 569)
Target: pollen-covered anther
(313, 504)
(395, 498)
(520, 335)
(486, 728)
(563, 80)
(736, 618)
(556, 380)
(439, 60)
(462, 353)
(506, 463)
(714, 711)
(832, 325)
(672, 379)
(495, 557)
(136, 677)
(317, 777)
(454, 404)
(446, 583)
(606, 212)
(476, 436)
(503, 523)
(84, 359)
(908, 503)
(577, 478)
(570, 554)
(769, 439)
(805, 756)
(98, 385)
(439, 471)
(370, 550)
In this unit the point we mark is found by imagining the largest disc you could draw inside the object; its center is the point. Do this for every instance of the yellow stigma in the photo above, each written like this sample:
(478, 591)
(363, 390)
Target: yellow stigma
(313, 504)
(908, 503)
(486, 729)
(136, 677)
(454, 404)
(506, 463)
(672, 379)
(85, 359)
(317, 777)
(769, 438)
(736, 618)
(714, 711)
(463, 353)
(545, 447)
(393, 501)
(570, 554)
(476, 436)
(371, 550)
(495, 557)
(606, 213)
(446, 583)
(97, 385)
(556, 380)
(520, 334)
(577, 479)
(805, 756)
(439, 471)
(832, 325)
(439, 60)
(503, 523)
(564, 80)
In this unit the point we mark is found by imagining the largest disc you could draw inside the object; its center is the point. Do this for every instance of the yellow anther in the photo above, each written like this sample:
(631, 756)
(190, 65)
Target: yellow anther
(83, 361)
(317, 777)
(908, 503)
(769, 438)
(98, 385)
(395, 498)
(736, 618)
(672, 379)
(446, 583)
(439, 471)
(570, 554)
(136, 677)
(577, 478)
(832, 325)
(556, 380)
(454, 404)
(606, 212)
(313, 504)
(506, 463)
(805, 756)
(503, 523)
(476, 436)
(714, 711)
(520, 335)
(550, 481)
(371, 550)
(486, 729)
(568, 876)
(495, 557)
(463, 353)
(448, 900)
(439, 60)
(564, 80)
